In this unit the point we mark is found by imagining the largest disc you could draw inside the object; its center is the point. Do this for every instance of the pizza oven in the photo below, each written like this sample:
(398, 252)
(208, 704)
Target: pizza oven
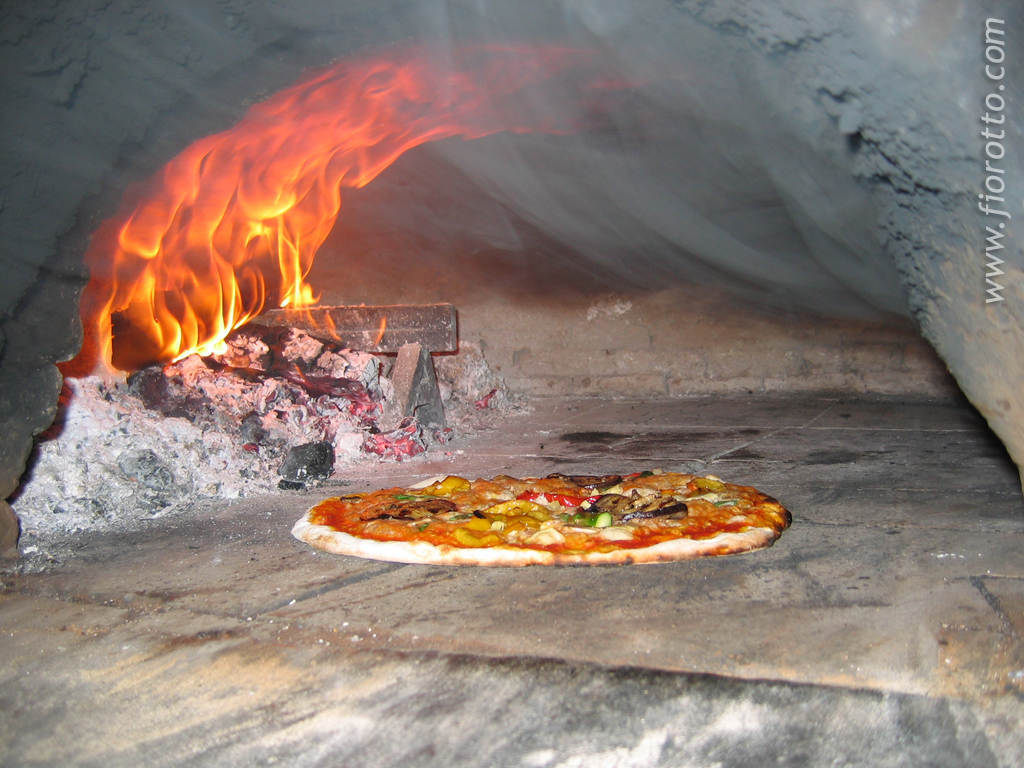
(778, 241)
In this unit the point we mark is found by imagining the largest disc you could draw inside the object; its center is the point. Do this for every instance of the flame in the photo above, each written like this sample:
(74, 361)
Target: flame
(231, 225)
(380, 333)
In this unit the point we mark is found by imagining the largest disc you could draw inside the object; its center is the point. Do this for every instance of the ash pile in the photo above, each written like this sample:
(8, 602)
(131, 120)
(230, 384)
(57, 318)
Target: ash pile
(278, 409)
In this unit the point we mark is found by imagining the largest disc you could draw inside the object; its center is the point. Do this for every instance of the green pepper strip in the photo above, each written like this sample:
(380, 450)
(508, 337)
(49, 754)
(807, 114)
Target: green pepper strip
(600, 520)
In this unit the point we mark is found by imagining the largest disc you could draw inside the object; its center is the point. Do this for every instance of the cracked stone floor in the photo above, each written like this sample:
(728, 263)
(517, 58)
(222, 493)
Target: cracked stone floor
(884, 628)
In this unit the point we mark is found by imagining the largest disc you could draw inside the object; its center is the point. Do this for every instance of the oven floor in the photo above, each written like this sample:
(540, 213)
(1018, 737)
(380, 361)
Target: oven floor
(884, 628)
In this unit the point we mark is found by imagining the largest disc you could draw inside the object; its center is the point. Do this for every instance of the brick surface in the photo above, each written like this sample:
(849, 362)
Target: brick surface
(692, 342)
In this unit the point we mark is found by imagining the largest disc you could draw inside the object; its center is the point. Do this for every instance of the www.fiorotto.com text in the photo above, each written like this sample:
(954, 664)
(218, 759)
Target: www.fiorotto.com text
(993, 203)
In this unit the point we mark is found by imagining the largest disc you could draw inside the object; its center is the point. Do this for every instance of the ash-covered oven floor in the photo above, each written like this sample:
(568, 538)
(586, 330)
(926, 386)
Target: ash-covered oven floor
(884, 628)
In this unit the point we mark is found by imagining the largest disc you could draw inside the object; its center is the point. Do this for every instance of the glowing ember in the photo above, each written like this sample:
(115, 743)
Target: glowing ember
(230, 226)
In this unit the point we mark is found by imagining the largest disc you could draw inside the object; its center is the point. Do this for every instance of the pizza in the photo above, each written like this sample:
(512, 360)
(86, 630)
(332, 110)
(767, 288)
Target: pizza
(644, 517)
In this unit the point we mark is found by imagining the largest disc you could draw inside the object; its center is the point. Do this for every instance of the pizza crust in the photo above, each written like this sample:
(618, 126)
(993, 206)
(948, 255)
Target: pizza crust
(422, 552)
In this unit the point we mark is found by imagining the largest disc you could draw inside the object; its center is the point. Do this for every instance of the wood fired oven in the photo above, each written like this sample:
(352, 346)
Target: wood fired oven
(684, 232)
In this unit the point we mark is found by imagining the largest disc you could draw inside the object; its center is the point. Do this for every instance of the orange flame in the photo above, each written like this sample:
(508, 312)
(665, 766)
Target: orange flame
(230, 226)
(383, 328)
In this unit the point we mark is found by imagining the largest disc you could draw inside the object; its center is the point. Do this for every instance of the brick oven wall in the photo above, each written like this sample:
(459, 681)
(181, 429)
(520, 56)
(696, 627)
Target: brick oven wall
(695, 341)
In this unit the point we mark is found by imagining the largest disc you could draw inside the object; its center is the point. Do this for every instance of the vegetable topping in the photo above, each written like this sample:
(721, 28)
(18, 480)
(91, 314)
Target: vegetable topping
(635, 510)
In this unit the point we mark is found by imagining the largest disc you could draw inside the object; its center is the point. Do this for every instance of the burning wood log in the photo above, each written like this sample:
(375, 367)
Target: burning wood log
(411, 331)
(381, 329)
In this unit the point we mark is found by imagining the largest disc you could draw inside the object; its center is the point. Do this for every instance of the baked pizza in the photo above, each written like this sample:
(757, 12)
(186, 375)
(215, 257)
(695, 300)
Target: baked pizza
(644, 517)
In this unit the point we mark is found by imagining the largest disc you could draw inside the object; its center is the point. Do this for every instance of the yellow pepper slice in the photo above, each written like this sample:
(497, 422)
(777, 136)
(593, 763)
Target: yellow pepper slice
(467, 539)
(448, 485)
(477, 524)
(520, 508)
(708, 484)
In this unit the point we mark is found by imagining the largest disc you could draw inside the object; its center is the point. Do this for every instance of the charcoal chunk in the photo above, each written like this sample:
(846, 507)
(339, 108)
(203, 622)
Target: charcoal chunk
(251, 429)
(311, 461)
(150, 386)
(169, 396)
(145, 468)
(82, 505)
(156, 487)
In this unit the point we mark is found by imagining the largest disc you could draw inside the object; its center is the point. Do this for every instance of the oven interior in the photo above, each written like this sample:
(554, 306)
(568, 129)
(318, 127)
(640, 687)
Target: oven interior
(725, 240)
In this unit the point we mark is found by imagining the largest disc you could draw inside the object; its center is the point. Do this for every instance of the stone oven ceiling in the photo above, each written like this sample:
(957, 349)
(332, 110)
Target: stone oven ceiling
(806, 155)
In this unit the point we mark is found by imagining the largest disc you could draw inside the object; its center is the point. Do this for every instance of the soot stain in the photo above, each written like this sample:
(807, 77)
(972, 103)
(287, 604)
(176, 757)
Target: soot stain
(674, 438)
(197, 639)
(743, 453)
(591, 437)
(833, 457)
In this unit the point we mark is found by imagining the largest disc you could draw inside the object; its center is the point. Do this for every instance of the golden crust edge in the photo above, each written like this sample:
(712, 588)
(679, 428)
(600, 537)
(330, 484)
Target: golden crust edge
(328, 539)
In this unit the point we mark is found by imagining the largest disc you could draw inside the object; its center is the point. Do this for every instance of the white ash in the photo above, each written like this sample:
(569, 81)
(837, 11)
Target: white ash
(245, 350)
(303, 348)
(214, 432)
(115, 461)
(466, 378)
(474, 396)
(273, 413)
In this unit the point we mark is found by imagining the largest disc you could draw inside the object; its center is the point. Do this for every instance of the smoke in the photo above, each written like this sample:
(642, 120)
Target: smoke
(708, 167)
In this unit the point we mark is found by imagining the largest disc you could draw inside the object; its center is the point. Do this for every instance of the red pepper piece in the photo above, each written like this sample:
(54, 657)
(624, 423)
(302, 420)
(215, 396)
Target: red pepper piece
(560, 498)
